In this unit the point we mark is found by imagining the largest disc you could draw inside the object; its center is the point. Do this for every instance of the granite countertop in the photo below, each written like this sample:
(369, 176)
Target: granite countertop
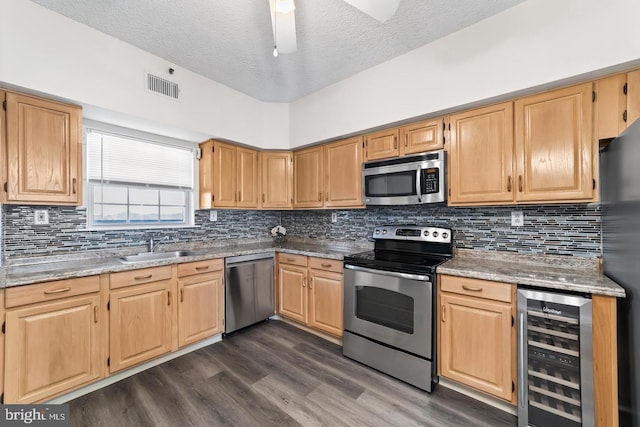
(545, 271)
(34, 270)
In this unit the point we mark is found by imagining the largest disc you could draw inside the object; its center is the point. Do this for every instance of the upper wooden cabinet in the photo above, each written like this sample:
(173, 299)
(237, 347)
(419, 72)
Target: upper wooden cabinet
(277, 179)
(422, 136)
(329, 175)
(228, 176)
(382, 144)
(43, 151)
(617, 102)
(555, 151)
(481, 156)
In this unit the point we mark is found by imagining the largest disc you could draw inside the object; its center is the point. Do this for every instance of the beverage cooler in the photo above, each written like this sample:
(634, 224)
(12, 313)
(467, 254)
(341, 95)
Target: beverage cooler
(555, 360)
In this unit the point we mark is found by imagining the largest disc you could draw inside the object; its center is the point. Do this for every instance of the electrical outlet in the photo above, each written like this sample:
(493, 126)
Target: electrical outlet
(334, 217)
(213, 216)
(517, 218)
(40, 217)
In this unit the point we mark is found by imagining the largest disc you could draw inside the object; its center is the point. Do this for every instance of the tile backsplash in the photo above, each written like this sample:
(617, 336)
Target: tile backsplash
(551, 229)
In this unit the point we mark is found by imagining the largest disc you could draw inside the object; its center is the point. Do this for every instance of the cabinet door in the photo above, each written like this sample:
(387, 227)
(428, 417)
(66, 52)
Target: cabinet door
(277, 180)
(224, 175)
(292, 292)
(481, 156)
(554, 146)
(308, 178)
(611, 103)
(633, 96)
(43, 151)
(325, 301)
(343, 168)
(247, 177)
(382, 144)
(205, 166)
(422, 136)
(200, 308)
(53, 347)
(140, 324)
(476, 343)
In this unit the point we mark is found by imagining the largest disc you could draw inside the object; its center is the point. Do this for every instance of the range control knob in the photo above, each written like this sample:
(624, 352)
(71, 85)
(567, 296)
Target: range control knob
(377, 231)
(384, 231)
(426, 233)
(434, 234)
(445, 235)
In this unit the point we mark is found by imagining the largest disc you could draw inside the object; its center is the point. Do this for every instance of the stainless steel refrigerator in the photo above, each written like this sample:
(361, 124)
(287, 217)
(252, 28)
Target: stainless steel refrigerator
(620, 198)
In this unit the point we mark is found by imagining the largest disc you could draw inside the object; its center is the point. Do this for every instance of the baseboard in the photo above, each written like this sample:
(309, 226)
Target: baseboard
(111, 379)
(496, 403)
(305, 328)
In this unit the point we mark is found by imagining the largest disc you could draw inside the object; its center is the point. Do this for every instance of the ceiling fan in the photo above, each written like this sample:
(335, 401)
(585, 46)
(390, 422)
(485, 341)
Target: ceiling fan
(283, 20)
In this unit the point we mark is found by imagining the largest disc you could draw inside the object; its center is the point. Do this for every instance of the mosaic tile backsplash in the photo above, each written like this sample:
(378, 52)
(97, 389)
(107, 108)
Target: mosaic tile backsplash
(558, 229)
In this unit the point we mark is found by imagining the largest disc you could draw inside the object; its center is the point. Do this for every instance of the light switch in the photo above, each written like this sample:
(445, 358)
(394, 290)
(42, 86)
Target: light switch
(40, 217)
(517, 218)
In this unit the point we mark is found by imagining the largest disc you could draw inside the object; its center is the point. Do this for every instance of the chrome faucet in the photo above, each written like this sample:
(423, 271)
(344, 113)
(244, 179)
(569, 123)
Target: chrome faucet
(153, 246)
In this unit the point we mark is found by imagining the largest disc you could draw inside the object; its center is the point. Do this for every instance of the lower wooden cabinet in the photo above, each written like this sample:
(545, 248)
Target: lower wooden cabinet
(140, 322)
(477, 342)
(200, 301)
(310, 291)
(52, 346)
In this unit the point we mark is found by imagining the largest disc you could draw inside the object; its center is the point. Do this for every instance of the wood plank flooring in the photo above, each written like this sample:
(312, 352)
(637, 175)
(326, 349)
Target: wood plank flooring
(274, 374)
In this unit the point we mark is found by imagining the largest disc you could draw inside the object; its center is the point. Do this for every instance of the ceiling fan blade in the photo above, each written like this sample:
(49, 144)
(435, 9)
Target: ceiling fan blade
(380, 10)
(284, 29)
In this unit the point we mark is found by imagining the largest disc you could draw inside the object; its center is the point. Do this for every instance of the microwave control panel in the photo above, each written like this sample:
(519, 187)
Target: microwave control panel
(430, 181)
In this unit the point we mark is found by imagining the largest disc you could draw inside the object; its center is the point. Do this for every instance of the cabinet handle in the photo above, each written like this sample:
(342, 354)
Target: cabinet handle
(95, 314)
(395, 142)
(235, 197)
(182, 295)
(168, 297)
(406, 140)
(320, 196)
(57, 291)
(262, 197)
(73, 185)
(290, 259)
(326, 197)
(624, 116)
(509, 183)
(304, 282)
(442, 313)
(311, 283)
(325, 265)
(471, 288)
(239, 195)
(520, 183)
(202, 267)
(148, 276)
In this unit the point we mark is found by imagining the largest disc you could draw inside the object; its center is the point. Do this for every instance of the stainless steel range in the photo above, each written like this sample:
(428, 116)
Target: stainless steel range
(389, 299)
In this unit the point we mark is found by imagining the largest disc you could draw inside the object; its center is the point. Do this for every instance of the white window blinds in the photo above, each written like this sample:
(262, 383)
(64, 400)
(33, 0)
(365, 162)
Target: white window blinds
(118, 159)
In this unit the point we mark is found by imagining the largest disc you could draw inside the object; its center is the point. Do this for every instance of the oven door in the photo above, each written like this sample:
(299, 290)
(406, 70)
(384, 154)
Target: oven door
(392, 308)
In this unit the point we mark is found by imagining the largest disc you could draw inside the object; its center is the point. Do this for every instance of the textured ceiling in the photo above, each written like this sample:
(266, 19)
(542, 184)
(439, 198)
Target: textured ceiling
(231, 41)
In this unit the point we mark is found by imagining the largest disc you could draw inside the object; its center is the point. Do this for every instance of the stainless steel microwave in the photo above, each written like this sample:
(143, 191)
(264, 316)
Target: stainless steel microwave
(407, 180)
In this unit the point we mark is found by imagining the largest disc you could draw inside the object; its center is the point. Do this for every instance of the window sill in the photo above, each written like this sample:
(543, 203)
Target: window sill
(136, 227)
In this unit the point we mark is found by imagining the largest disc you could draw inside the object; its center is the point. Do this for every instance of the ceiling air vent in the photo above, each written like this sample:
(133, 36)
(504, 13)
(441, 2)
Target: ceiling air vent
(161, 86)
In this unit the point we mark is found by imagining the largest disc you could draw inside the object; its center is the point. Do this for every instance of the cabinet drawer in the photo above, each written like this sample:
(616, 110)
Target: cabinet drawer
(476, 287)
(292, 259)
(137, 277)
(197, 267)
(326, 264)
(47, 291)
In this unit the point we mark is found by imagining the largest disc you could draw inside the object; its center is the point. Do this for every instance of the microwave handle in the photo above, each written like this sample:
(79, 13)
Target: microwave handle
(418, 186)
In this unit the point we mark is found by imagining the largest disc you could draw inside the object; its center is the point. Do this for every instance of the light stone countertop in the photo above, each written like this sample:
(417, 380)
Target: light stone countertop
(41, 269)
(560, 273)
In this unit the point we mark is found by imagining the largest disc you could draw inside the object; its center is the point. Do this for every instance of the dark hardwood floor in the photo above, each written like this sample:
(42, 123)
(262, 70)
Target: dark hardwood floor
(274, 374)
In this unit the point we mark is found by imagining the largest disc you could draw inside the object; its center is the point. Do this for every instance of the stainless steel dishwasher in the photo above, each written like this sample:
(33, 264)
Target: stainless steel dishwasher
(249, 296)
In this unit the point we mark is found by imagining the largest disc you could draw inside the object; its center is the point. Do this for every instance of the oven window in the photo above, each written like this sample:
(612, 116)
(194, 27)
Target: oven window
(386, 308)
(391, 184)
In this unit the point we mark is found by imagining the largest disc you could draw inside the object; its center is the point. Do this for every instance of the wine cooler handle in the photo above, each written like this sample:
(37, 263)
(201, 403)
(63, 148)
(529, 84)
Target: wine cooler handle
(522, 370)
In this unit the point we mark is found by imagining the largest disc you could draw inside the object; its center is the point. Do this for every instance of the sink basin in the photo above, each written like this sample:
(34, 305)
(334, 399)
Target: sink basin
(153, 256)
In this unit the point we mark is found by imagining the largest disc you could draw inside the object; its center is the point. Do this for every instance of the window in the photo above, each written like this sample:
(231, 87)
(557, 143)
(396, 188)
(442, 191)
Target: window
(135, 182)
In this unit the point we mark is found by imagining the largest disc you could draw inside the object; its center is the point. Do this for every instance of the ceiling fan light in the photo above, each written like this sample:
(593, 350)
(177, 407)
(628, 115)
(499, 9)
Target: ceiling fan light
(285, 6)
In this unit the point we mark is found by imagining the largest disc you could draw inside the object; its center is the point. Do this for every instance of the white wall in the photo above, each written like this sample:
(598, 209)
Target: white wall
(534, 43)
(42, 51)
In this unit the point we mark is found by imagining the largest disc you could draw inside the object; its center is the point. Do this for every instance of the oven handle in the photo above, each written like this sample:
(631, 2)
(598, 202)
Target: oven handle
(389, 273)
(418, 184)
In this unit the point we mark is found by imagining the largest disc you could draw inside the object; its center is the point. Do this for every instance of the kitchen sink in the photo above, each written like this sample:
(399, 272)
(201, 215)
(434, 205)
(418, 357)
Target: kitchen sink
(153, 256)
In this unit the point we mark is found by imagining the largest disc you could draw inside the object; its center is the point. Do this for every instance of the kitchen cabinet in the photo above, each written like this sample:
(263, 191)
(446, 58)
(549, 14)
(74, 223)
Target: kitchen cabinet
(200, 301)
(617, 102)
(277, 179)
(310, 291)
(53, 336)
(382, 144)
(426, 135)
(477, 341)
(140, 315)
(228, 176)
(329, 175)
(43, 151)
